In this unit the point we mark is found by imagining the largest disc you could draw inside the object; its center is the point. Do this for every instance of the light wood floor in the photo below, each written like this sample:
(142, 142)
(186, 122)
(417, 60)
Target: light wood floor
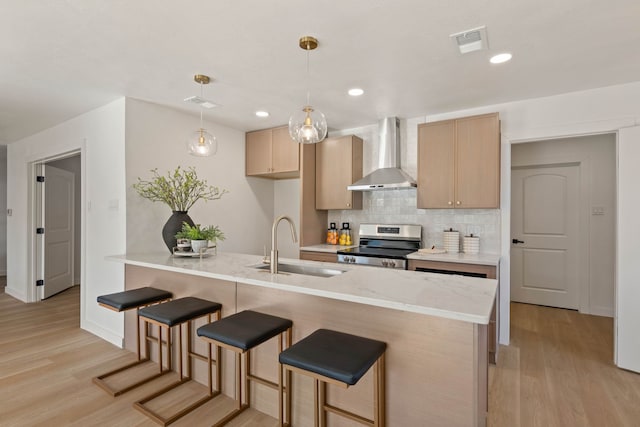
(557, 372)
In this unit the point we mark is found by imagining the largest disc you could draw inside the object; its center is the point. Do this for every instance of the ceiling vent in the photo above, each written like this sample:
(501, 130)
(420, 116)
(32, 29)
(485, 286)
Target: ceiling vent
(471, 40)
(201, 101)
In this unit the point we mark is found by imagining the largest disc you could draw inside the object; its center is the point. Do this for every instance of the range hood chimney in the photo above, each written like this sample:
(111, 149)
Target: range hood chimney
(388, 175)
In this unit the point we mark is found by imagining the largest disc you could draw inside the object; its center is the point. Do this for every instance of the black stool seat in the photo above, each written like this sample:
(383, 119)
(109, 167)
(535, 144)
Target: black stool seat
(342, 357)
(179, 310)
(133, 298)
(246, 329)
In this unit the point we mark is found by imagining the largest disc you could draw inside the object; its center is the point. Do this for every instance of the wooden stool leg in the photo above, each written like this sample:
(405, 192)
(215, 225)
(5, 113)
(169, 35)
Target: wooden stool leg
(316, 399)
(322, 395)
(247, 374)
(379, 385)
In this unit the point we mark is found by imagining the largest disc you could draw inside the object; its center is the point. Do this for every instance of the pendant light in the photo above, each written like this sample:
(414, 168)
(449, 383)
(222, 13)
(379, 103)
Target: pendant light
(202, 143)
(308, 126)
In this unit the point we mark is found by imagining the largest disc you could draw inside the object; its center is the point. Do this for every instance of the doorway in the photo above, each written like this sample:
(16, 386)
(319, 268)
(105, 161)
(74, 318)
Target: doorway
(57, 261)
(563, 207)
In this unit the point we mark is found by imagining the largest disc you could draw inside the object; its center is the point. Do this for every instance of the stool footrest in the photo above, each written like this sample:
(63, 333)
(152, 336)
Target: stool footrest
(99, 380)
(140, 405)
(231, 415)
(346, 414)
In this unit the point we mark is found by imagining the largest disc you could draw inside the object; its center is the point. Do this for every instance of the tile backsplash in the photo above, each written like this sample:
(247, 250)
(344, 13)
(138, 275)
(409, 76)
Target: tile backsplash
(399, 207)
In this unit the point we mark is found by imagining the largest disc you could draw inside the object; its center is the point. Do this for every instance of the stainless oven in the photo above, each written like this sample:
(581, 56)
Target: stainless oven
(383, 245)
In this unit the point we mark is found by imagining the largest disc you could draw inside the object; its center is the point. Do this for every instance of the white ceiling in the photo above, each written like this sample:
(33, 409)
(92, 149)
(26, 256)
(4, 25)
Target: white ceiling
(59, 58)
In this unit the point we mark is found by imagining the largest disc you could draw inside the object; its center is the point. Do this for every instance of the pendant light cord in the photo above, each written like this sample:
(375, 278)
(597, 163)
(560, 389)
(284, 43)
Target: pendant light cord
(201, 97)
(308, 77)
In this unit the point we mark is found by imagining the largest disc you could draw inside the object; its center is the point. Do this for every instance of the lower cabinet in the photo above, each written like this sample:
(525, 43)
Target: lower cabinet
(475, 270)
(319, 256)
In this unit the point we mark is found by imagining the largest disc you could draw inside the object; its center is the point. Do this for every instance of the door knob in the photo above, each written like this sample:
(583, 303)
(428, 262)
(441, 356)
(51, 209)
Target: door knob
(516, 241)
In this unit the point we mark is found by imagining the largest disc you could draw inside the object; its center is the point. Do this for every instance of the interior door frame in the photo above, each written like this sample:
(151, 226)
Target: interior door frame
(584, 169)
(35, 293)
(530, 134)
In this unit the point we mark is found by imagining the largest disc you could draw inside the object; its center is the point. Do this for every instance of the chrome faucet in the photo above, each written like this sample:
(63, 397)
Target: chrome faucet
(274, 241)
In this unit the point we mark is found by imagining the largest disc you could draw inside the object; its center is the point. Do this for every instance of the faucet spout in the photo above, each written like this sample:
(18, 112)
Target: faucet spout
(274, 241)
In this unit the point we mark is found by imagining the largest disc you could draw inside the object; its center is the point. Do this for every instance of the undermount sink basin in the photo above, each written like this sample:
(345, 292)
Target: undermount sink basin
(307, 270)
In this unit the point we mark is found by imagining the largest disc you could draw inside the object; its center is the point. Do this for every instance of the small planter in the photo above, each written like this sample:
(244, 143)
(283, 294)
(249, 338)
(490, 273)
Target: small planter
(199, 246)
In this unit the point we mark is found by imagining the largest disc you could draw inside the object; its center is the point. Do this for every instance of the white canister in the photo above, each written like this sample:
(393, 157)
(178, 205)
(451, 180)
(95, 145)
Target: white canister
(471, 244)
(451, 241)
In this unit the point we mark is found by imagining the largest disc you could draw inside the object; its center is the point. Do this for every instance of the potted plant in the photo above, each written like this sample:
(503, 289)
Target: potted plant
(200, 236)
(180, 190)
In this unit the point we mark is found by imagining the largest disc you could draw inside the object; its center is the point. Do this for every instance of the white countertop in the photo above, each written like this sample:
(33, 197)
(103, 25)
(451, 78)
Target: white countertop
(462, 258)
(463, 298)
(326, 248)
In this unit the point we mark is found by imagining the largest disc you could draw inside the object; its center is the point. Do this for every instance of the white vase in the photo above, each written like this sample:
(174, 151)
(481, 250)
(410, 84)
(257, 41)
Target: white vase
(197, 245)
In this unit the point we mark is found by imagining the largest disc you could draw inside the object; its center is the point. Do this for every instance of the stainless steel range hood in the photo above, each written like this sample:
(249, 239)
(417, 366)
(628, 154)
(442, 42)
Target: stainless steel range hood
(388, 175)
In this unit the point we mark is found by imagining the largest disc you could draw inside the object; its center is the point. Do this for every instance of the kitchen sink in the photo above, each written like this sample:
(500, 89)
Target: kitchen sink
(307, 270)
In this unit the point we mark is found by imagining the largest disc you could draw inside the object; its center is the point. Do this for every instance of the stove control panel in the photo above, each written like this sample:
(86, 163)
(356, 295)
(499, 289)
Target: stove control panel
(372, 261)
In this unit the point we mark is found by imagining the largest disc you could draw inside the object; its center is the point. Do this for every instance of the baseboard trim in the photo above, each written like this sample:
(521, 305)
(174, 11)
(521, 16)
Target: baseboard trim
(99, 331)
(602, 311)
(16, 294)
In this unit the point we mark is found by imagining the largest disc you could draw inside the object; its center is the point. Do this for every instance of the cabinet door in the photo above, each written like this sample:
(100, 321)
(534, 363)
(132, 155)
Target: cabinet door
(258, 152)
(478, 162)
(338, 164)
(284, 151)
(436, 143)
(318, 256)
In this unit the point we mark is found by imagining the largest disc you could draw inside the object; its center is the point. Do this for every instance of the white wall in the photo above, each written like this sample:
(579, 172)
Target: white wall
(3, 210)
(628, 295)
(73, 164)
(99, 134)
(156, 138)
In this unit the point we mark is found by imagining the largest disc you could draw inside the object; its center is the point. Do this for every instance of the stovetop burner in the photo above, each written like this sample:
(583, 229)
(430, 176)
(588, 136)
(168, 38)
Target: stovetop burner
(383, 245)
(378, 252)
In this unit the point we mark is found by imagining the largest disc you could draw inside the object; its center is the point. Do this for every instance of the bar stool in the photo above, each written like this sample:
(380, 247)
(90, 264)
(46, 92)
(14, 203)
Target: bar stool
(166, 316)
(341, 359)
(129, 300)
(240, 333)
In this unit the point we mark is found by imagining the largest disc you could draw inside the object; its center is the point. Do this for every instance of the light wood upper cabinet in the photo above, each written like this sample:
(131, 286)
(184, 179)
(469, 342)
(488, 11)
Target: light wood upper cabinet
(271, 153)
(338, 164)
(459, 163)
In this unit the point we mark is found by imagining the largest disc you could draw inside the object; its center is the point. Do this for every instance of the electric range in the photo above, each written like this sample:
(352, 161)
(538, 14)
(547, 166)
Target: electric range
(383, 245)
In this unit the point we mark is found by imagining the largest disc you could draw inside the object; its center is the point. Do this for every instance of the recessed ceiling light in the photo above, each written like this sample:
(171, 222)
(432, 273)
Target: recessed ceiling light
(262, 113)
(356, 91)
(500, 58)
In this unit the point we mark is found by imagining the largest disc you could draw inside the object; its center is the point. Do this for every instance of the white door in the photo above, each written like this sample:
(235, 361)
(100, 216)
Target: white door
(544, 233)
(58, 189)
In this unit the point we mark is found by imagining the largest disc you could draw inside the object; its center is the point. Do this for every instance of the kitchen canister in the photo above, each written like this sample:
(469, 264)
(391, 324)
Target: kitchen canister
(471, 244)
(451, 241)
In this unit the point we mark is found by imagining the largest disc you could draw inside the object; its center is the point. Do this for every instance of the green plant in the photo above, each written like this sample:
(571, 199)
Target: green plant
(179, 189)
(197, 232)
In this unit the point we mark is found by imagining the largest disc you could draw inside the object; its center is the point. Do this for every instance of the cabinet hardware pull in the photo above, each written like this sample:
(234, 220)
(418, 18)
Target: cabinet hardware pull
(449, 202)
(458, 202)
(516, 241)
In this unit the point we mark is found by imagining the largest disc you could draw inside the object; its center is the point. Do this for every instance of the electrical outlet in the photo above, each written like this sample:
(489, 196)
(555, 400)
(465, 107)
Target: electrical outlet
(597, 210)
(9, 212)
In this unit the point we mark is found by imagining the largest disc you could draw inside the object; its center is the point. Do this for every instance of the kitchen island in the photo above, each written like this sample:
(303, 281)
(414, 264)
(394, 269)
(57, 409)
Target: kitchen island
(435, 327)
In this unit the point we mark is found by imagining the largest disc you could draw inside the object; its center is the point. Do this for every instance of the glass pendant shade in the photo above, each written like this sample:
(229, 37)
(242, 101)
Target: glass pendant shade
(202, 143)
(308, 126)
